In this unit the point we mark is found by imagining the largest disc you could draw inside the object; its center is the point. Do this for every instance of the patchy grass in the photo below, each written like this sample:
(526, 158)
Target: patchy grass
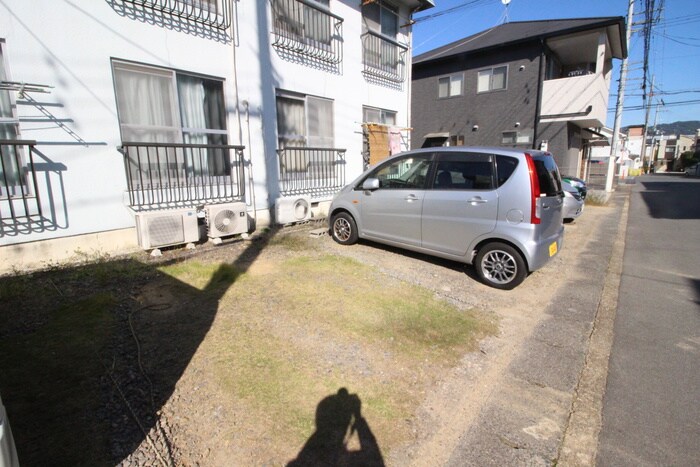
(331, 322)
(269, 337)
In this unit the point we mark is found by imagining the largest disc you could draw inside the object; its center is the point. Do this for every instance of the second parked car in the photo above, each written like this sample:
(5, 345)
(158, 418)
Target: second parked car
(497, 209)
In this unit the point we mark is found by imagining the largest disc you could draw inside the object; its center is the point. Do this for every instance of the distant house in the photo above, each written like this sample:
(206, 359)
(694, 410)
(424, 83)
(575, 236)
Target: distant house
(140, 123)
(531, 84)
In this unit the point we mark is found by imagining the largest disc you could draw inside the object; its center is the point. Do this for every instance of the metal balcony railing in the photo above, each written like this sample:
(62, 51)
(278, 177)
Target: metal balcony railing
(383, 58)
(304, 28)
(212, 13)
(19, 198)
(312, 171)
(163, 175)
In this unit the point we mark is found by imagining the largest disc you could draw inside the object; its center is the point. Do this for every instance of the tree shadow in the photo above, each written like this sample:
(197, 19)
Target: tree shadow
(89, 355)
(338, 419)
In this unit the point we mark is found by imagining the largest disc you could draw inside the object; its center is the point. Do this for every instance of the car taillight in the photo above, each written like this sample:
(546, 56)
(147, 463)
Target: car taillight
(534, 189)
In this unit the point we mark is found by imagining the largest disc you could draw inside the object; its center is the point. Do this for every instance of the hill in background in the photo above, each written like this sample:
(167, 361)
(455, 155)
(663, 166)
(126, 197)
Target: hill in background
(688, 127)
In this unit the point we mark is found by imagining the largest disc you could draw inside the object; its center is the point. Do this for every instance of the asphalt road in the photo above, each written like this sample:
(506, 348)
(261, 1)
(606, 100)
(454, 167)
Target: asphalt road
(651, 407)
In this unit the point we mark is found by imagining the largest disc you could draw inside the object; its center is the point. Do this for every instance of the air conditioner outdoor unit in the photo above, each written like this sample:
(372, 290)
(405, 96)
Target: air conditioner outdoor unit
(226, 219)
(165, 228)
(294, 209)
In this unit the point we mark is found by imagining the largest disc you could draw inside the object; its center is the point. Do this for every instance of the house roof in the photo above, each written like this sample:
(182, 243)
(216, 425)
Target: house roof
(509, 34)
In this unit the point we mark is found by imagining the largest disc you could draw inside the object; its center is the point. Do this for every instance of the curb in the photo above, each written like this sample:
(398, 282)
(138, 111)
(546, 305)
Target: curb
(580, 442)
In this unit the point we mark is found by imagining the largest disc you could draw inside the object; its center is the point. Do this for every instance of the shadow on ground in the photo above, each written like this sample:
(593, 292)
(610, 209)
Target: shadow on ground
(672, 198)
(88, 358)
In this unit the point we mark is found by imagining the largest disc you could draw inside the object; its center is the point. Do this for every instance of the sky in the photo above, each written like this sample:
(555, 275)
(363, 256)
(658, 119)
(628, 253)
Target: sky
(673, 59)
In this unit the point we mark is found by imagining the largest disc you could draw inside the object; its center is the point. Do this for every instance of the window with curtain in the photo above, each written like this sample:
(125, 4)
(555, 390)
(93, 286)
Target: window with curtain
(381, 18)
(12, 164)
(307, 24)
(450, 86)
(157, 105)
(492, 79)
(304, 121)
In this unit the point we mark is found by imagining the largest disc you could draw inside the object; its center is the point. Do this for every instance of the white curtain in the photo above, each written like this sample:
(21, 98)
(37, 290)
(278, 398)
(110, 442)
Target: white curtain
(146, 103)
(320, 124)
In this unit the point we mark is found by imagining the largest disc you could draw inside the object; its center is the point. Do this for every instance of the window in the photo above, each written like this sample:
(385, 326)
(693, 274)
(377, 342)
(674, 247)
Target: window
(293, 18)
(12, 165)
(492, 79)
(406, 172)
(304, 121)
(375, 115)
(381, 18)
(157, 105)
(517, 137)
(505, 166)
(463, 171)
(450, 86)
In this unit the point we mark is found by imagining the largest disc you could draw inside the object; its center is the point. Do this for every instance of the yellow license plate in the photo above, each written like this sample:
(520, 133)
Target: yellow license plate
(553, 249)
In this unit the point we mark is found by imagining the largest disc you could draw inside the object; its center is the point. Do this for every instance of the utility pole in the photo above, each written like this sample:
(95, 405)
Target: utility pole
(646, 124)
(618, 107)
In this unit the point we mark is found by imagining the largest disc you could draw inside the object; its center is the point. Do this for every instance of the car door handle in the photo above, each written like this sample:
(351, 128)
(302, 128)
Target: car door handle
(477, 200)
(411, 198)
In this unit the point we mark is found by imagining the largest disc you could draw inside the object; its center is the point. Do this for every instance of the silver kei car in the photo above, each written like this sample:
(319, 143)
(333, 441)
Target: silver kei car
(497, 209)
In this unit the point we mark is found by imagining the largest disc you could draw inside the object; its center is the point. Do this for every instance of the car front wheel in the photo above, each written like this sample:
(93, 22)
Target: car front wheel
(344, 229)
(501, 266)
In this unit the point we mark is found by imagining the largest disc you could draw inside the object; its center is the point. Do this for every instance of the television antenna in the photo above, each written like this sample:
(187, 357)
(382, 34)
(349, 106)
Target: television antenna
(504, 17)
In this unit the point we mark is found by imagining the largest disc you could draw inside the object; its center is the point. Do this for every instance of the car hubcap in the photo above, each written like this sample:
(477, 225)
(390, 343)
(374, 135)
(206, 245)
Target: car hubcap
(499, 267)
(341, 229)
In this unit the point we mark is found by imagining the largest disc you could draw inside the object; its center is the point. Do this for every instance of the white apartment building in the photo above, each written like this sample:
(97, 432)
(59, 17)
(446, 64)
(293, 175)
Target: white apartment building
(149, 123)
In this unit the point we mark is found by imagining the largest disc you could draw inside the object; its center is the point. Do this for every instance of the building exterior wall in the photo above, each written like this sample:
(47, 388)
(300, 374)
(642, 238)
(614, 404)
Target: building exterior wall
(492, 112)
(70, 47)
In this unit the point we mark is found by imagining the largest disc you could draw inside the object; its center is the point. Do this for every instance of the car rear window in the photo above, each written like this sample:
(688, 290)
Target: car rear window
(548, 175)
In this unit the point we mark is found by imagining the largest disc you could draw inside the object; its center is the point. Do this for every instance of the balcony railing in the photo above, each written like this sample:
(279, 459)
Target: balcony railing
(306, 29)
(19, 200)
(162, 175)
(212, 13)
(383, 58)
(312, 171)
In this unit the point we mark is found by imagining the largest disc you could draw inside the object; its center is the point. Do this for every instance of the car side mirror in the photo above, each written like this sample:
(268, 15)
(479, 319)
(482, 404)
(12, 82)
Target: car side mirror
(370, 184)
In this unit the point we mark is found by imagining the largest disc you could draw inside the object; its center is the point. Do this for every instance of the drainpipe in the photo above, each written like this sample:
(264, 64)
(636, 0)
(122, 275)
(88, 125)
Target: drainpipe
(538, 105)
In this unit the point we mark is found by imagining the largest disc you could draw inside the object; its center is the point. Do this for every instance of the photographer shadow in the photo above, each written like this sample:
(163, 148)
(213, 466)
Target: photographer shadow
(338, 420)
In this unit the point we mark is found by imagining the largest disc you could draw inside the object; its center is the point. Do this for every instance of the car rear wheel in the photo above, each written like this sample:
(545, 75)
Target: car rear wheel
(344, 229)
(500, 266)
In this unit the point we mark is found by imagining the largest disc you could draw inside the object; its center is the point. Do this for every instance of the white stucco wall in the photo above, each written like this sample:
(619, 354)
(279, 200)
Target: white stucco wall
(69, 45)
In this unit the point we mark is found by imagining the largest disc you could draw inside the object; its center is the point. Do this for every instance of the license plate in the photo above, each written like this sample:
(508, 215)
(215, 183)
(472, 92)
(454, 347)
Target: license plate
(553, 249)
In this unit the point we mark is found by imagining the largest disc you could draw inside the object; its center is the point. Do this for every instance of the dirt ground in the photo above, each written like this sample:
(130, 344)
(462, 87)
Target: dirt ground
(196, 424)
(454, 400)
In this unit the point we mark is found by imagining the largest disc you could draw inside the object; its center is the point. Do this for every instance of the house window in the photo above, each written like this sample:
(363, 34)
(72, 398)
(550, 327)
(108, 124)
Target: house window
(381, 18)
(157, 105)
(304, 121)
(295, 19)
(375, 115)
(382, 55)
(450, 86)
(492, 79)
(517, 137)
(12, 162)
